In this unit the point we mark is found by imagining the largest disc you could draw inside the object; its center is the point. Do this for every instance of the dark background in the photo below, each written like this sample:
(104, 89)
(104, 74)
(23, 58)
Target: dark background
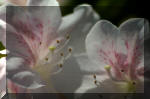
(115, 11)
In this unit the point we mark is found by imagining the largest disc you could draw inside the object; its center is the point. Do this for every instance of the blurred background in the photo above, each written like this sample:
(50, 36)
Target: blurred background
(115, 11)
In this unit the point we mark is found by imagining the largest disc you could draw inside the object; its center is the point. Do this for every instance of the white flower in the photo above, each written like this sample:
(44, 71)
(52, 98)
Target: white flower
(40, 40)
(117, 57)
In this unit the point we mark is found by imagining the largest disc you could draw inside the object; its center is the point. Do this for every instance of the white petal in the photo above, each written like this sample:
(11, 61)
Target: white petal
(78, 24)
(131, 27)
(146, 29)
(100, 38)
(133, 30)
(42, 3)
(87, 65)
(69, 79)
(37, 24)
(18, 72)
(33, 29)
(3, 12)
(88, 84)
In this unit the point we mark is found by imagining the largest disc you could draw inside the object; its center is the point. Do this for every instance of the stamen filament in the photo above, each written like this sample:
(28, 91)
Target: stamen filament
(108, 69)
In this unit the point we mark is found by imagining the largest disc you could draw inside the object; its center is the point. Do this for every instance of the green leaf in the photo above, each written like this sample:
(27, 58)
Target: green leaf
(1, 46)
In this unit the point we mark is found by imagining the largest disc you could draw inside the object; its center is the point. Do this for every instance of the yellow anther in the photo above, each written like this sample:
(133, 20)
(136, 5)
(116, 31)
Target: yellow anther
(107, 67)
(70, 49)
(95, 81)
(57, 41)
(46, 59)
(68, 37)
(94, 76)
(122, 70)
(61, 54)
(60, 65)
(40, 43)
(52, 48)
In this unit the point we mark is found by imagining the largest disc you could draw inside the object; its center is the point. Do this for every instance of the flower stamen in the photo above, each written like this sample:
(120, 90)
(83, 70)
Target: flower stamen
(108, 69)
(40, 43)
(122, 70)
(94, 76)
(52, 48)
(60, 65)
(68, 37)
(57, 41)
(70, 50)
(46, 58)
(96, 82)
(61, 54)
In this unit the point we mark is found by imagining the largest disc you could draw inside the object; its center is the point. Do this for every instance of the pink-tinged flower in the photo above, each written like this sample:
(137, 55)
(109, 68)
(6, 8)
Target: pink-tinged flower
(39, 41)
(117, 56)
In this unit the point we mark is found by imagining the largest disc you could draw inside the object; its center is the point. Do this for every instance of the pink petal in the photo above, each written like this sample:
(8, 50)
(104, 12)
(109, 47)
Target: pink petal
(132, 32)
(33, 33)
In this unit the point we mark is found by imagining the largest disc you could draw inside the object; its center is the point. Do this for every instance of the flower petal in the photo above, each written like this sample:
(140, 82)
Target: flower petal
(3, 12)
(132, 32)
(34, 27)
(87, 65)
(69, 79)
(100, 40)
(132, 26)
(88, 83)
(18, 2)
(146, 29)
(42, 3)
(28, 37)
(33, 32)
(20, 73)
(14, 88)
(78, 24)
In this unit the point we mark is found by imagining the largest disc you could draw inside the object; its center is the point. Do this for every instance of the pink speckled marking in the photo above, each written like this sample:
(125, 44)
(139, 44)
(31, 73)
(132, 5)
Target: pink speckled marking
(120, 61)
(34, 35)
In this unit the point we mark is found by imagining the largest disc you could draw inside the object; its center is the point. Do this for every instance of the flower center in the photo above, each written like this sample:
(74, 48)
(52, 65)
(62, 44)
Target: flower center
(125, 85)
(53, 62)
(129, 86)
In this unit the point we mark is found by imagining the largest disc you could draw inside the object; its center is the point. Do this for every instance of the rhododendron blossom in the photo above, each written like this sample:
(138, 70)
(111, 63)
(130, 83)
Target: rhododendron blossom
(39, 42)
(118, 56)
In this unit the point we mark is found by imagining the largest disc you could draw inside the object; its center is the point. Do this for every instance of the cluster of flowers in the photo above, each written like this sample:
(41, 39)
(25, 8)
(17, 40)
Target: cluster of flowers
(77, 53)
